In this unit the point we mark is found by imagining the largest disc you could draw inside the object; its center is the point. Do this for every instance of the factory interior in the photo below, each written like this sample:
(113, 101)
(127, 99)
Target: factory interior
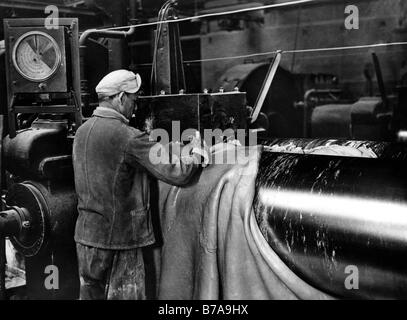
(309, 98)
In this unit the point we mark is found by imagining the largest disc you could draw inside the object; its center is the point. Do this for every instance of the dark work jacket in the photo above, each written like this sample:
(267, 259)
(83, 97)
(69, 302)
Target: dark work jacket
(111, 164)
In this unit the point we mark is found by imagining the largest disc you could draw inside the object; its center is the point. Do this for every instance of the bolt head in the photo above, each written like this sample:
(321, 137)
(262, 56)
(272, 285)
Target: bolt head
(26, 224)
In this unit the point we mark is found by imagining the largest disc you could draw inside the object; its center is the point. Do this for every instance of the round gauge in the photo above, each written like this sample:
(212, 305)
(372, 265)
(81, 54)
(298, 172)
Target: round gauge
(36, 56)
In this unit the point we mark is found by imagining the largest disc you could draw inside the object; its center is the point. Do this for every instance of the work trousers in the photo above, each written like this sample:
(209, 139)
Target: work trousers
(111, 274)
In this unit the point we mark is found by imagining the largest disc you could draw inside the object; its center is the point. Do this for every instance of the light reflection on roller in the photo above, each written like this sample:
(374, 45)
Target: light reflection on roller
(384, 219)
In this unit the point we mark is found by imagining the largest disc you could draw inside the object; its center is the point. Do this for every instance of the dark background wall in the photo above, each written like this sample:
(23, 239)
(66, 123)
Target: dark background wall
(316, 26)
(298, 27)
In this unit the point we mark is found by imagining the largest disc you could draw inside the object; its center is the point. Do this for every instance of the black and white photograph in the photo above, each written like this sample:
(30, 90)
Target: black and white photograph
(216, 152)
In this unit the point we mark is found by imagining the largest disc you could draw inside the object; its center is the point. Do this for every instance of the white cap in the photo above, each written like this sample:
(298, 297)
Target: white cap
(119, 81)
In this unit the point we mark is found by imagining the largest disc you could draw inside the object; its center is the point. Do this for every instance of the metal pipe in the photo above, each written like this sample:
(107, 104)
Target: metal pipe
(95, 33)
(104, 34)
(12, 221)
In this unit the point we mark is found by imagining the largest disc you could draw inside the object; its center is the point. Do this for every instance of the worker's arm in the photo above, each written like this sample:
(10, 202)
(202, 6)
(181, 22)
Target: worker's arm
(176, 169)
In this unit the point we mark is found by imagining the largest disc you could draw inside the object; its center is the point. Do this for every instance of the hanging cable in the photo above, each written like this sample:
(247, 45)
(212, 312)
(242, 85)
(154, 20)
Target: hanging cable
(368, 46)
(216, 14)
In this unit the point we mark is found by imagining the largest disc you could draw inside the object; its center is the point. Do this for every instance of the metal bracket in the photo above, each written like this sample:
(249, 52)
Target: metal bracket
(266, 86)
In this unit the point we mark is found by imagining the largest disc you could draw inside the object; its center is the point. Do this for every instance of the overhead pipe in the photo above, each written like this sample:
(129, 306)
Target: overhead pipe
(95, 33)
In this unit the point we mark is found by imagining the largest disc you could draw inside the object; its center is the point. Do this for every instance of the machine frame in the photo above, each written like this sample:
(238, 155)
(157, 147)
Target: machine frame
(70, 71)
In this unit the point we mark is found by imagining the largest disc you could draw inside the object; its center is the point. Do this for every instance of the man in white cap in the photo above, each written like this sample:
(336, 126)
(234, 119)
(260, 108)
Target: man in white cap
(111, 164)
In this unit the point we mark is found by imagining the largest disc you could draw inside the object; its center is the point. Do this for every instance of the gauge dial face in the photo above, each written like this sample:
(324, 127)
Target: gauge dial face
(36, 56)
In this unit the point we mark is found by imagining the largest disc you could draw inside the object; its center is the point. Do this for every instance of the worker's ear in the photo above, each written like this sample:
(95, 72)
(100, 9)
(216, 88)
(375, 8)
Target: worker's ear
(121, 95)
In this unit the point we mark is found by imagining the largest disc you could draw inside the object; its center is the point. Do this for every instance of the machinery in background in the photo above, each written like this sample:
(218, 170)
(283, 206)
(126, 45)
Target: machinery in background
(371, 117)
(44, 109)
(170, 100)
(198, 111)
(48, 96)
(43, 67)
(279, 115)
(316, 106)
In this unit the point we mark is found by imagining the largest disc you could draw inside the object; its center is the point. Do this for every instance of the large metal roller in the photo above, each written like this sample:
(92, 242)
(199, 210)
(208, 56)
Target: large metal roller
(40, 223)
(36, 216)
(325, 215)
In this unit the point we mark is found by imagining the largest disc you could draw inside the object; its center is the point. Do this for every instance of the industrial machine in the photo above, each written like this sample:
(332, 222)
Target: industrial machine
(44, 108)
(170, 99)
(321, 214)
(325, 215)
(296, 193)
(47, 81)
(42, 65)
(49, 95)
(317, 106)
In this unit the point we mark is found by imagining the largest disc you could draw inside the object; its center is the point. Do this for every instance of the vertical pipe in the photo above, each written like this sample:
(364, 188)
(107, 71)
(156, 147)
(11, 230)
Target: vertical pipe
(2, 240)
(380, 81)
(2, 268)
(120, 57)
(133, 10)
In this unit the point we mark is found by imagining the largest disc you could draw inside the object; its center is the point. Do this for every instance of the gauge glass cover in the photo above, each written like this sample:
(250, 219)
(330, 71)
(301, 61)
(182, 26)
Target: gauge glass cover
(36, 56)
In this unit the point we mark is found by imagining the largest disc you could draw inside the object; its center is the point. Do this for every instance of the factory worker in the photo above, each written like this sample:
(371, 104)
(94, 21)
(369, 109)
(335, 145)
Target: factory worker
(112, 169)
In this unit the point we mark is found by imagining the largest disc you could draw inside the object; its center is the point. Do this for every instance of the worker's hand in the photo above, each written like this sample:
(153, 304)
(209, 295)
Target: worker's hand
(195, 140)
(199, 147)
